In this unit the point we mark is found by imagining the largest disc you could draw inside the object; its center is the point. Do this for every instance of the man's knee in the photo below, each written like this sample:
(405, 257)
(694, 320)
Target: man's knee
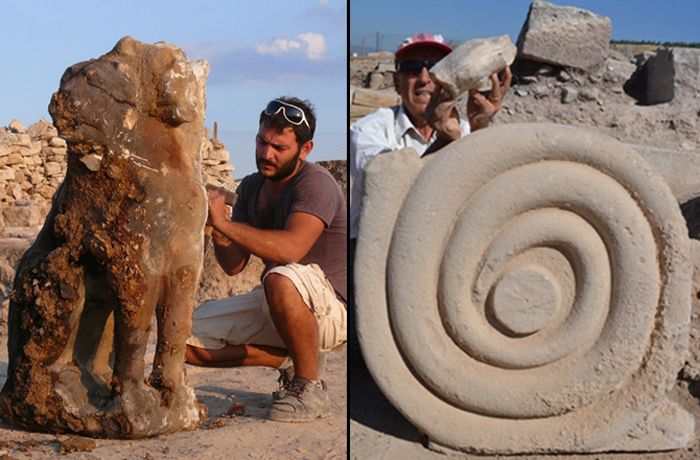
(278, 287)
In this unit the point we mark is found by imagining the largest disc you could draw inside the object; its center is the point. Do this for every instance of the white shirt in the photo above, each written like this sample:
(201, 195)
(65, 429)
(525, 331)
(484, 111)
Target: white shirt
(383, 131)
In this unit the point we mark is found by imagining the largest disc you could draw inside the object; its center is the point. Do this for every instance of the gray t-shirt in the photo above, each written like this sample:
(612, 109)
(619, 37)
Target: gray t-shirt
(313, 190)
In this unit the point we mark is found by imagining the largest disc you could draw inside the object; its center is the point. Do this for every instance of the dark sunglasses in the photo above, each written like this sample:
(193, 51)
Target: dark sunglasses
(414, 66)
(292, 113)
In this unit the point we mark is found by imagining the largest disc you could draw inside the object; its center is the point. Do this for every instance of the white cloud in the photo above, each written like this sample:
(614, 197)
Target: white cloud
(312, 44)
(315, 44)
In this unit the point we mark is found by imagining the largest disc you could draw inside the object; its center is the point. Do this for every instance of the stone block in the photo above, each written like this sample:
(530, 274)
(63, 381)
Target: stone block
(673, 74)
(58, 142)
(24, 216)
(375, 98)
(564, 36)
(551, 325)
(358, 111)
(16, 126)
(220, 155)
(52, 168)
(660, 73)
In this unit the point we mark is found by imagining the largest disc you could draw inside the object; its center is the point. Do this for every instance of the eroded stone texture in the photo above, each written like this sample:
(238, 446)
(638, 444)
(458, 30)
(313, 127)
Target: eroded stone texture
(564, 36)
(566, 224)
(471, 63)
(123, 240)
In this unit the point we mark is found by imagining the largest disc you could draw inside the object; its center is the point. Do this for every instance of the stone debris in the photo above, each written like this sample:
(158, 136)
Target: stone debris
(564, 36)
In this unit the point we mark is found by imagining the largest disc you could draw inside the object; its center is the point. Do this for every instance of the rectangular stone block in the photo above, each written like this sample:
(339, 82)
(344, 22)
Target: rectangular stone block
(564, 36)
(375, 98)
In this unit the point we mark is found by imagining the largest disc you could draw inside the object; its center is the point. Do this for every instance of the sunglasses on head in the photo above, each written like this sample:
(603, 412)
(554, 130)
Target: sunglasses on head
(414, 66)
(292, 113)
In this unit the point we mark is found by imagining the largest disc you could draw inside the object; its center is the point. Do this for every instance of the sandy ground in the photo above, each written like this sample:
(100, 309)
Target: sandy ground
(246, 436)
(378, 431)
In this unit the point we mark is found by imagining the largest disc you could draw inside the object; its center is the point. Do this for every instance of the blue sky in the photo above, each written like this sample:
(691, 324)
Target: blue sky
(668, 20)
(257, 50)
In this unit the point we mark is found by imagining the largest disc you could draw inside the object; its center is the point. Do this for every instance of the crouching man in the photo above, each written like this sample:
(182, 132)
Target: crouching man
(291, 214)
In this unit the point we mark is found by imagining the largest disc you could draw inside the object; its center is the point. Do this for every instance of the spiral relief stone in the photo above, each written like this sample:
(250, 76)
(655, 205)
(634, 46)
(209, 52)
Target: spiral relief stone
(527, 289)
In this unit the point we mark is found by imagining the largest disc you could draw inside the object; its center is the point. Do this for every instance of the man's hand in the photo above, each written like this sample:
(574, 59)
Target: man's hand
(442, 115)
(218, 212)
(481, 109)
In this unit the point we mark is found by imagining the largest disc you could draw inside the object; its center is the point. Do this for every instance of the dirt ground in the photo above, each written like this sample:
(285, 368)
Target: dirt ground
(222, 437)
(378, 431)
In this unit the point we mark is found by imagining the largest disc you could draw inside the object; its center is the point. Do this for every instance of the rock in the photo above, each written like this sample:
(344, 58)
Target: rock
(528, 80)
(118, 244)
(673, 74)
(563, 76)
(589, 93)
(470, 64)
(220, 155)
(539, 91)
(53, 168)
(24, 216)
(375, 98)
(376, 80)
(564, 36)
(16, 126)
(568, 94)
(57, 142)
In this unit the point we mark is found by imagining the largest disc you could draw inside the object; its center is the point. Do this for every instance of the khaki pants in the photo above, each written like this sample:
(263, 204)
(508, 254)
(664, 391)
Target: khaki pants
(245, 319)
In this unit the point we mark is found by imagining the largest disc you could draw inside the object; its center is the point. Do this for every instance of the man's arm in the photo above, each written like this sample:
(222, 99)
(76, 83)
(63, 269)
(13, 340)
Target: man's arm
(231, 257)
(281, 246)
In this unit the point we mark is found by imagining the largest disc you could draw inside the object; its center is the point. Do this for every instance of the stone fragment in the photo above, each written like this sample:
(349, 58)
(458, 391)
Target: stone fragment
(564, 36)
(118, 244)
(57, 142)
(568, 94)
(512, 279)
(589, 93)
(219, 155)
(91, 161)
(375, 98)
(24, 216)
(52, 168)
(16, 126)
(470, 64)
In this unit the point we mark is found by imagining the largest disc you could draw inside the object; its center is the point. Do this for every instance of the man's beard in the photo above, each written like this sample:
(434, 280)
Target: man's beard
(284, 170)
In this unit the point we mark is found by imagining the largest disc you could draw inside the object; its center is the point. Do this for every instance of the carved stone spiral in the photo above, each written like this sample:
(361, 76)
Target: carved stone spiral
(536, 290)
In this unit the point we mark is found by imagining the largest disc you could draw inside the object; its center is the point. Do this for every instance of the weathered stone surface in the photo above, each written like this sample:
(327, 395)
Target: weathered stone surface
(564, 36)
(672, 74)
(375, 98)
(470, 64)
(454, 248)
(119, 244)
(16, 126)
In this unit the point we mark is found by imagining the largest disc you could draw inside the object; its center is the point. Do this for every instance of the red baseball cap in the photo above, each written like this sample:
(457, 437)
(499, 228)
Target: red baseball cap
(422, 40)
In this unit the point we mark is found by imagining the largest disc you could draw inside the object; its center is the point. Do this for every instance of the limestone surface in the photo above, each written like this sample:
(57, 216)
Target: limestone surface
(565, 36)
(527, 289)
(470, 64)
(122, 241)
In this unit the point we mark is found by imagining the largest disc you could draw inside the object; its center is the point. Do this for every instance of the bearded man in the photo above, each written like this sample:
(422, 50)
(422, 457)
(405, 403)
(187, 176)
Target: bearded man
(292, 214)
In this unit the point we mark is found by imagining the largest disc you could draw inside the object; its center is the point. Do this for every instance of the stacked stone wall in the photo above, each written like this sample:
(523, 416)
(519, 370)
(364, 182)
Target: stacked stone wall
(33, 163)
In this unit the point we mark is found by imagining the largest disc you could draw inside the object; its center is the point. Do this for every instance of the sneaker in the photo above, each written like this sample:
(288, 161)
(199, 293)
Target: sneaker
(287, 375)
(305, 401)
